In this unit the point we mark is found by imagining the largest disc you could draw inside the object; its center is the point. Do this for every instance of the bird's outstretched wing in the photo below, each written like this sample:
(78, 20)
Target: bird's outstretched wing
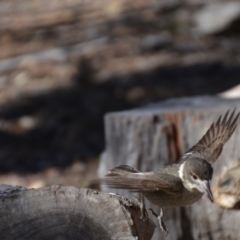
(125, 177)
(211, 144)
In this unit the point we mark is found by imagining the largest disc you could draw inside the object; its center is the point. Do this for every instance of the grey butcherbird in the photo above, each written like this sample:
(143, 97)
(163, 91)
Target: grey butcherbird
(183, 183)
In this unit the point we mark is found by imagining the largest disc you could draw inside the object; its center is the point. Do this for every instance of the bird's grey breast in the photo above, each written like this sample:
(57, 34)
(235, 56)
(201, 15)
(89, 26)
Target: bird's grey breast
(175, 194)
(162, 198)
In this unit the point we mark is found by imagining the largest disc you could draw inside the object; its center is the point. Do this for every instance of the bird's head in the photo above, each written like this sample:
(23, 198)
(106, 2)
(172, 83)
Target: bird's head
(196, 174)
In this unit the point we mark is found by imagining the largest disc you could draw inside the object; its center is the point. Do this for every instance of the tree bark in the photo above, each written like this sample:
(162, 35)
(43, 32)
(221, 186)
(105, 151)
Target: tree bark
(64, 212)
(159, 134)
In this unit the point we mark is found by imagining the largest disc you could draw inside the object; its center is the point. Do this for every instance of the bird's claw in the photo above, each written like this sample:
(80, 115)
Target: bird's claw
(160, 220)
(144, 213)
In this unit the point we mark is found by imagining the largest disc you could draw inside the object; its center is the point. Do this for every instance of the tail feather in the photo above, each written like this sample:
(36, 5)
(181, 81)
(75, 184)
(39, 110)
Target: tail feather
(125, 177)
(121, 170)
(123, 182)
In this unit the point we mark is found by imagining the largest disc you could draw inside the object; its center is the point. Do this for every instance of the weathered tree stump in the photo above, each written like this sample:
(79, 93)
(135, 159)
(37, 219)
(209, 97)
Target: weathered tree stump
(68, 213)
(159, 134)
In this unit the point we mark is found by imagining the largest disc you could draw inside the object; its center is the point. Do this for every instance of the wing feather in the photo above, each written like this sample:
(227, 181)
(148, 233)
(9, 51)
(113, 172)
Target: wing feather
(211, 144)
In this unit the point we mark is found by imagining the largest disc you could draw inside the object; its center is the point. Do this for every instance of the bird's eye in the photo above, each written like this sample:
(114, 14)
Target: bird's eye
(194, 177)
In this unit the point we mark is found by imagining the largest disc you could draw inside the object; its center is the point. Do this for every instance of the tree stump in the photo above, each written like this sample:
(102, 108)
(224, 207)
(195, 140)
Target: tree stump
(68, 213)
(159, 134)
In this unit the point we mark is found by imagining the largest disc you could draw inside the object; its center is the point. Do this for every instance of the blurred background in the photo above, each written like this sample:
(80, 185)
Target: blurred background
(64, 64)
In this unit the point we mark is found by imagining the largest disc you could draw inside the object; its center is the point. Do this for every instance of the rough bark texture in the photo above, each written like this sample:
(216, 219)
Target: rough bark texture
(159, 134)
(68, 213)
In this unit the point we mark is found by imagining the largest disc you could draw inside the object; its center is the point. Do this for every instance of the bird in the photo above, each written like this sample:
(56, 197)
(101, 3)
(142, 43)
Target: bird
(182, 183)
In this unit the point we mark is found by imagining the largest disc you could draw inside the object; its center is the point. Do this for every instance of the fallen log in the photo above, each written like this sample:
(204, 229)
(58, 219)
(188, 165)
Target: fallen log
(69, 213)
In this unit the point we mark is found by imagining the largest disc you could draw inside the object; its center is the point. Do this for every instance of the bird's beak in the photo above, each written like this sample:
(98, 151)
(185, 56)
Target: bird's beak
(207, 190)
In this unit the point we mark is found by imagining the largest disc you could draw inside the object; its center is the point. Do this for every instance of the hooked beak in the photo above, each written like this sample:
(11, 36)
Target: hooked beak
(206, 189)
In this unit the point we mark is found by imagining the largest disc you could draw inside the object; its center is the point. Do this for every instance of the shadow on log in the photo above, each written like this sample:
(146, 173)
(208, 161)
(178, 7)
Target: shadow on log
(68, 213)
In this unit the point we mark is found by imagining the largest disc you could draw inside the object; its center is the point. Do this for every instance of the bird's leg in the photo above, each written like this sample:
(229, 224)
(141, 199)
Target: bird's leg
(144, 214)
(160, 220)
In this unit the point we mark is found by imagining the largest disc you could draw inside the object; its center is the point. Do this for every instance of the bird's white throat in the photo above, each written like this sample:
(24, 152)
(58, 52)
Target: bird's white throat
(187, 184)
(181, 171)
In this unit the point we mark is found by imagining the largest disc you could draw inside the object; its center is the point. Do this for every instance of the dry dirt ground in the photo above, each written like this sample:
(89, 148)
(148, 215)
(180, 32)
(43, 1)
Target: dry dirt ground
(64, 64)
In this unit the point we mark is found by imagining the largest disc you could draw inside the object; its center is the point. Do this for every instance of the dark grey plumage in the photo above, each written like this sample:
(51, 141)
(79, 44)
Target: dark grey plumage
(183, 183)
(211, 144)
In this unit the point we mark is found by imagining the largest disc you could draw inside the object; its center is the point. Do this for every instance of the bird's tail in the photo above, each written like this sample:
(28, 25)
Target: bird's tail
(125, 177)
(122, 177)
(121, 170)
